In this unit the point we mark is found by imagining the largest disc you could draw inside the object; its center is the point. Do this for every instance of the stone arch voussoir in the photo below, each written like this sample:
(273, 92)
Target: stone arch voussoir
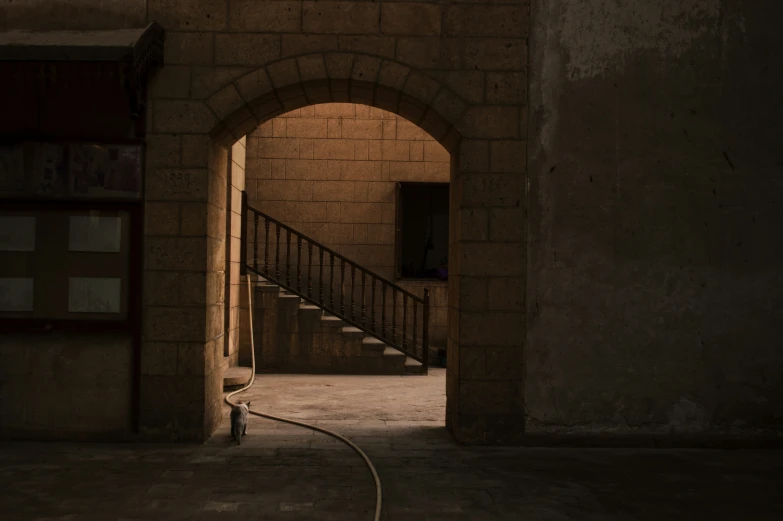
(295, 82)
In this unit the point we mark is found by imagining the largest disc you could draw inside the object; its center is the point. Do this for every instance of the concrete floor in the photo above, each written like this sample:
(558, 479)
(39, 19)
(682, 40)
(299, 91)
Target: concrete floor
(283, 472)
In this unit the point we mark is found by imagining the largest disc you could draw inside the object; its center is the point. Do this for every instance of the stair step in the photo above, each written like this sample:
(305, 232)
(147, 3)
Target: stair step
(309, 307)
(412, 366)
(350, 330)
(331, 320)
(234, 376)
(267, 288)
(390, 352)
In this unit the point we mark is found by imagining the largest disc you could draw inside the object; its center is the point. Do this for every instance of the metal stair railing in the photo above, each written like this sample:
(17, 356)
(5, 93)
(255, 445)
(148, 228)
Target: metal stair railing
(358, 296)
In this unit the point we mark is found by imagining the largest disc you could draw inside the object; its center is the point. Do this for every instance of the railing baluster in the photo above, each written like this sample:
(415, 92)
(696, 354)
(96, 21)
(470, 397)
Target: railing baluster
(288, 258)
(372, 304)
(383, 309)
(266, 246)
(404, 319)
(277, 252)
(394, 315)
(299, 263)
(321, 276)
(353, 291)
(364, 314)
(342, 286)
(255, 242)
(309, 269)
(414, 325)
(331, 280)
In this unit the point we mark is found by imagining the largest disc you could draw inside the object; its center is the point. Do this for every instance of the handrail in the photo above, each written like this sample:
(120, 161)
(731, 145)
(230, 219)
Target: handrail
(411, 339)
(327, 249)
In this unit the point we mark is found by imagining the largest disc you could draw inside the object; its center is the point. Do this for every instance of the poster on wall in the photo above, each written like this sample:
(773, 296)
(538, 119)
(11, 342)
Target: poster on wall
(94, 233)
(111, 171)
(17, 233)
(11, 168)
(49, 170)
(93, 295)
(16, 294)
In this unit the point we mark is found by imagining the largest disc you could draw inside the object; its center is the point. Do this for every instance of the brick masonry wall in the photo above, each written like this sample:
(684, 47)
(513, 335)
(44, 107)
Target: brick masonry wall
(329, 171)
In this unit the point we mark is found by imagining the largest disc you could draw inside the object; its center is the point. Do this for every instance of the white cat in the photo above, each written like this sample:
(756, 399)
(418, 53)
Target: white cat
(239, 414)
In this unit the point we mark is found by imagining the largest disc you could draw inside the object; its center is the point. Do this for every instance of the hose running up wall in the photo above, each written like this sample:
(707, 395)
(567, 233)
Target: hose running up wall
(378, 489)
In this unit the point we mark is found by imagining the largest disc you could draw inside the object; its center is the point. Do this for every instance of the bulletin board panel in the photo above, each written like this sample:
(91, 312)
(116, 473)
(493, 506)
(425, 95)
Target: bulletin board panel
(79, 267)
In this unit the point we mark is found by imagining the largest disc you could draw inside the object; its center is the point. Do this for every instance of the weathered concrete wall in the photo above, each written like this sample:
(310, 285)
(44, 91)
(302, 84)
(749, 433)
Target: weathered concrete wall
(68, 387)
(654, 281)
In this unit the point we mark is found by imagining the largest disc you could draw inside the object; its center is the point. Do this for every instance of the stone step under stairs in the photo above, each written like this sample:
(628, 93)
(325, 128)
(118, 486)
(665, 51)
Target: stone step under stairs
(294, 336)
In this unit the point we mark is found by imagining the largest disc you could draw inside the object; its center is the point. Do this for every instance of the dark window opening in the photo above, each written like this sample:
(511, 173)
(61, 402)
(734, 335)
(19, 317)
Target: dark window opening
(422, 230)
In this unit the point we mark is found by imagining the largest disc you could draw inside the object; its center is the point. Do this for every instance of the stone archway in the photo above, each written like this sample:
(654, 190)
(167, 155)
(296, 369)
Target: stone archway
(484, 375)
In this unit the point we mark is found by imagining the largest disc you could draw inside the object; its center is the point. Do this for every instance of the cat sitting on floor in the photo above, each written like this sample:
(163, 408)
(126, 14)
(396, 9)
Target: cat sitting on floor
(239, 414)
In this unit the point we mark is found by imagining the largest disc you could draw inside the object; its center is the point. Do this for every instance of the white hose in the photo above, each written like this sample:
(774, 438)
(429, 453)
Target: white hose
(378, 488)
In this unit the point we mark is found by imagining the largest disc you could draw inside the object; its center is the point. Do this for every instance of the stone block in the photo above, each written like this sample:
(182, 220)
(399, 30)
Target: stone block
(205, 81)
(175, 324)
(158, 359)
(225, 102)
(278, 149)
(421, 87)
(361, 150)
(473, 224)
(474, 156)
(366, 68)
(307, 128)
(188, 15)
(283, 73)
(376, 45)
(397, 150)
(266, 17)
(195, 150)
(494, 122)
(411, 19)
(193, 289)
(361, 129)
(161, 218)
(298, 44)
(171, 81)
(360, 170)
(507, 294)
(193, 219)
(489, 189)
(507, 224)
(189, 48)
(246, 49)
(161, 288)
(491, 259)
(449, 106)
(177, 184)
(488, 397)
(508, 156)
(191, 358)
(177, 116)
(411, 108)
(175, 253)
(339, 65)
(496, 54)
(312, 67)
(341, 18)
(487, 20)
(393, 75)
(253, 85)
(469, 85)
(434, 152)
(408, 131)
(430, 52)
(506, 88)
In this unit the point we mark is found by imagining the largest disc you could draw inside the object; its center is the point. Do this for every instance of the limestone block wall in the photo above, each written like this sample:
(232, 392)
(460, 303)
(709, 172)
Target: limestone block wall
(457, 70)
(329, 171)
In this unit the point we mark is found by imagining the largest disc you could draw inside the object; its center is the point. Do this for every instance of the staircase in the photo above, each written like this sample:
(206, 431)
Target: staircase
(315, 311)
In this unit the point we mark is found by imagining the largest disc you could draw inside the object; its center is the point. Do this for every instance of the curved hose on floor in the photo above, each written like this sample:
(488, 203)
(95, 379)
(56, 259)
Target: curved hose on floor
(378, 488)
